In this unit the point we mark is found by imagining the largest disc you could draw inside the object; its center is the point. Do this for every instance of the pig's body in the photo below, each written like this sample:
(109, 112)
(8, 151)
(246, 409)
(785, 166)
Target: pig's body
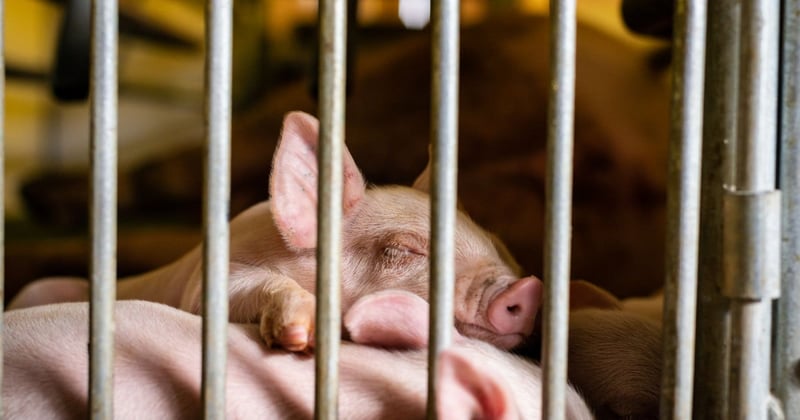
(384, 246)
(614, 360)
(651, 307)
(157, 372)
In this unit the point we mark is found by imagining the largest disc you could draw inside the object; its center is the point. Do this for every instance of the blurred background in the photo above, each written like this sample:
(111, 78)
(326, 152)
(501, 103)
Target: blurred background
(622, 104)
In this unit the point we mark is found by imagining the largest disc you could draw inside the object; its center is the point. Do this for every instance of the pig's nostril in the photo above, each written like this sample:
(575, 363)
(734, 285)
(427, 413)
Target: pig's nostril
(514, 310)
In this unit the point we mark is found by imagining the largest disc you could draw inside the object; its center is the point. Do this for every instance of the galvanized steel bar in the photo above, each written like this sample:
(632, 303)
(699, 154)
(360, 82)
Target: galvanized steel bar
(786, 355)
(558, 213)
(749, 394)
(2, 188)
(333, 51)
(719, 129)
(103, 208)
(219, 44)
(683, 209)
(445, 20)
(754, 174)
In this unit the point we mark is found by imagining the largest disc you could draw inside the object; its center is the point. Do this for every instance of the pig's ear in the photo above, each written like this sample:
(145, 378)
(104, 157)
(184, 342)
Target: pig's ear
(389, 318)
(464, 390)
(583, 295)
(423, 181)
(293, 184)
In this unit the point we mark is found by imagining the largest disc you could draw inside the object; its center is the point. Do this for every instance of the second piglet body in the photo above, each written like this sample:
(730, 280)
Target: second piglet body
(158, 357)
(384, 246)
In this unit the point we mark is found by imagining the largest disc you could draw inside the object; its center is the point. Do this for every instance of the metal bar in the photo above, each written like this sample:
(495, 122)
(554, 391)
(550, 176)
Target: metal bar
(103, 212)
(219, 44)
(333, 50)
(558, 214)
(719, 129)
(2, 188)
(786, 355)
(754, 173)
(683, 209)
(749, 394)
(445, 15)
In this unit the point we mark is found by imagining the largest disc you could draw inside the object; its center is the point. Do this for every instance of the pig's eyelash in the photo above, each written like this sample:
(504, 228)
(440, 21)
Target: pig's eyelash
(396, 252)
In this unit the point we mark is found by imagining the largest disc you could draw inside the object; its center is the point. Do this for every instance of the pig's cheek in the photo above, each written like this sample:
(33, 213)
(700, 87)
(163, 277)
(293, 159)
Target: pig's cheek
(413, 279)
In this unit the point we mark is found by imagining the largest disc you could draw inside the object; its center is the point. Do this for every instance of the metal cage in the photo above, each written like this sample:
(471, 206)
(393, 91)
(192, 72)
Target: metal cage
(733, 245)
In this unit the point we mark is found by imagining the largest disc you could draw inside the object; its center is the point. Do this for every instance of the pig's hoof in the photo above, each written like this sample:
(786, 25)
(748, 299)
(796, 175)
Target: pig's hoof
(287, 321)
(294, 338)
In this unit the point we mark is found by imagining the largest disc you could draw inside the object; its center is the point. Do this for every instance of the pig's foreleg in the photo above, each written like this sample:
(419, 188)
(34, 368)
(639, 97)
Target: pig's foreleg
(287, 314)
(283, 309)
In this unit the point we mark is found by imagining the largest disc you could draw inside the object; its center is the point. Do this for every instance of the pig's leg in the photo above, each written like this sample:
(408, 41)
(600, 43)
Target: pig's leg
(51, 290)
(284, 310)
(287, 314)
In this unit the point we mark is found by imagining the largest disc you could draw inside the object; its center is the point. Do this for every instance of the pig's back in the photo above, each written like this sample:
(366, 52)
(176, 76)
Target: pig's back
(158, 361)
(48, 378)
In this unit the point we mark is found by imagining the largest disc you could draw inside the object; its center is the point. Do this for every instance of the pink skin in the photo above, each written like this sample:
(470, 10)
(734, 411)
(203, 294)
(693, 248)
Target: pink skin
(384, 246)
(158, 358)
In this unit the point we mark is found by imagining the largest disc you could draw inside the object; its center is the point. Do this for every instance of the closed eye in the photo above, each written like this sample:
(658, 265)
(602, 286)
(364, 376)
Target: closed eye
(398, 254)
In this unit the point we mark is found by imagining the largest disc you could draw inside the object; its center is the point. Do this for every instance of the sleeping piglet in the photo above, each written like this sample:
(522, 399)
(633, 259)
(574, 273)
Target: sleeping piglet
(384, 246)
(158, 357)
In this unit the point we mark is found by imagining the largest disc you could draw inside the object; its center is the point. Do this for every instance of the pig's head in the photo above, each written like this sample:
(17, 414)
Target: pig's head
(385, 244)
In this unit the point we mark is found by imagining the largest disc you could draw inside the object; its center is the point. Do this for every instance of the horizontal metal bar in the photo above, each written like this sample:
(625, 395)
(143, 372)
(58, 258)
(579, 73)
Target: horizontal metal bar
(219, 15)
(332, 82)
(103, 105)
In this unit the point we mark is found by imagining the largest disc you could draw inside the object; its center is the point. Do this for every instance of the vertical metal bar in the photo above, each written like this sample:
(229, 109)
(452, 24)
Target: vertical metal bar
(445, 16)
(333, 50)
(2, 188)
(754, 168)
(749, 361)
(103, 209)
(219, 15)
(683, 209)
(754, 173)
(712, 358)
(786, 363)
(558, 216)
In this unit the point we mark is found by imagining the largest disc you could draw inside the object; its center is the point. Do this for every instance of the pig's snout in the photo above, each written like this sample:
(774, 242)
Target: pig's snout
(513, 311)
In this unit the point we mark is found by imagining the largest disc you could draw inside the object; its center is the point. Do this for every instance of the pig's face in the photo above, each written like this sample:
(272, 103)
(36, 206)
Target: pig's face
(386, 234)
(395, 255)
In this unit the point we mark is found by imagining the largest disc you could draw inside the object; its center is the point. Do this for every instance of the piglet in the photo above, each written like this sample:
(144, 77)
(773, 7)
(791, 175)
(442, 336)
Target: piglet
(614, 355)
(158, 357)
(384, 246)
